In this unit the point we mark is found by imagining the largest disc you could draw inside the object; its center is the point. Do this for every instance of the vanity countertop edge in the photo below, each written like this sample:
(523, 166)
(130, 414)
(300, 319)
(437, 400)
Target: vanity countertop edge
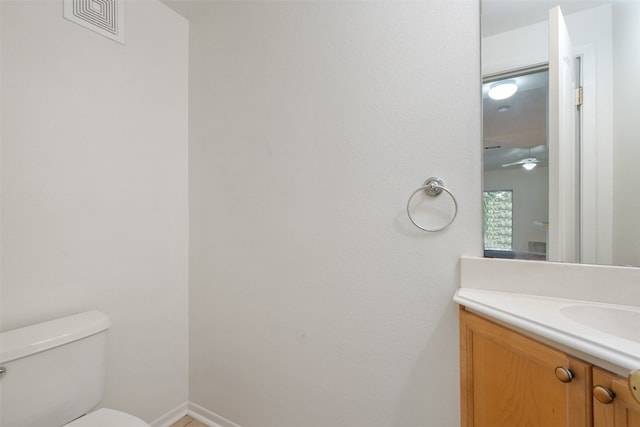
(514, 302)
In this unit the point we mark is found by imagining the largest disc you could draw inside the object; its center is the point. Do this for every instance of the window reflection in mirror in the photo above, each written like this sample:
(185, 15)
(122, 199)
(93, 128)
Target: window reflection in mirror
(498, 221)
(516, 172)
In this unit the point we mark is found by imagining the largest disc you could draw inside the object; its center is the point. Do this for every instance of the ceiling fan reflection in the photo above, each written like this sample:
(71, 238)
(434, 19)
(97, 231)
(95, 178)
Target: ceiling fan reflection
(527, 163)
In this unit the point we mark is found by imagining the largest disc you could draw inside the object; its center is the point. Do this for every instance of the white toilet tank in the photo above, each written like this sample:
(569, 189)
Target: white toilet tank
(54, 371)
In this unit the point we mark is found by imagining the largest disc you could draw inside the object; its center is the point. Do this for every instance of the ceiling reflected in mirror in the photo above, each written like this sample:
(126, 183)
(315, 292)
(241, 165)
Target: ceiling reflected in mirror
(515, 128)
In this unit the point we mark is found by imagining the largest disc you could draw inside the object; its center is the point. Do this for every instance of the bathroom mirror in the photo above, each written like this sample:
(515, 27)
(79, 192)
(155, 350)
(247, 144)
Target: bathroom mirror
(604, 224)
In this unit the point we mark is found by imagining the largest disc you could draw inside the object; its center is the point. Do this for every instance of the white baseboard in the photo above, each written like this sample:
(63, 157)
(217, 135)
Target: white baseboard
(197, 412)
(209, 418)
(172, 416)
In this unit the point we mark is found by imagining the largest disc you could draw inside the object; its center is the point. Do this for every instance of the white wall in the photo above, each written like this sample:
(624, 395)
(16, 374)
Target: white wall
(626, 35)
(530, 202)
(313, 300)
(94, 188)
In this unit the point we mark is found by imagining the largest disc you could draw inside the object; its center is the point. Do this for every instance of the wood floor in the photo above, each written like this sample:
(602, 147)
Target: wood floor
(187, 421)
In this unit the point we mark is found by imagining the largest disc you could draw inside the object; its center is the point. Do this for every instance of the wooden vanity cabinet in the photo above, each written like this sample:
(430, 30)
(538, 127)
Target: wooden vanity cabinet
(509, 380)
(622, 410)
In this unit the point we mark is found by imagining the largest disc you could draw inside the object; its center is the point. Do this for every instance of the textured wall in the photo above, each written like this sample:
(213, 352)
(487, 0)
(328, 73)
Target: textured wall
(94, 188)
(313, 300)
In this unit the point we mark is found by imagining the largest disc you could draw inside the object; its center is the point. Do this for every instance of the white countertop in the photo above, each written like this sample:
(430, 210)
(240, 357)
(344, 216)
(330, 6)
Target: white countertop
(586, 327)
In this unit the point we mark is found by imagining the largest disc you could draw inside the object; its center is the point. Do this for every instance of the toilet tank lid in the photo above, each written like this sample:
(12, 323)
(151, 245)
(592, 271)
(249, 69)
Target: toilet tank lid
(33, 339)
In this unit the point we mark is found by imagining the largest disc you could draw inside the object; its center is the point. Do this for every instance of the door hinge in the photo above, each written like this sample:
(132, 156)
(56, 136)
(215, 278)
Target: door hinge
(579, 96)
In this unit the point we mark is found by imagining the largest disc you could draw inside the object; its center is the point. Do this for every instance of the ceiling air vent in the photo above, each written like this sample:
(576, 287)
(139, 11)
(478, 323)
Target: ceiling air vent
(105, 17)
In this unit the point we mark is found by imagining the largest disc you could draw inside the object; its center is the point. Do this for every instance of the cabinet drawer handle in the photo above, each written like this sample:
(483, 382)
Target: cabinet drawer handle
(634, 384)
(604, 394)
(564, 374)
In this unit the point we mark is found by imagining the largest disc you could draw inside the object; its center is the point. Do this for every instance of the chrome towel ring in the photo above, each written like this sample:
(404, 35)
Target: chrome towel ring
(433, 187)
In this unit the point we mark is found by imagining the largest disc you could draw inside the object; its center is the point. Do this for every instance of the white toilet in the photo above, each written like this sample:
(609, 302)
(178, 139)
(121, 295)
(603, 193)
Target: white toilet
(52, 374)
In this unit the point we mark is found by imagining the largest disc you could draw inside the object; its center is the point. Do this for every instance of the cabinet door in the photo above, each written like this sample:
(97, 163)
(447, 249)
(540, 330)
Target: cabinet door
(623, 410)
(510, 380)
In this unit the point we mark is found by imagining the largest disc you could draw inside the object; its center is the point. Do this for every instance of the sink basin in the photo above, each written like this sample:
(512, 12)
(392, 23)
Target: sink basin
(616, 321)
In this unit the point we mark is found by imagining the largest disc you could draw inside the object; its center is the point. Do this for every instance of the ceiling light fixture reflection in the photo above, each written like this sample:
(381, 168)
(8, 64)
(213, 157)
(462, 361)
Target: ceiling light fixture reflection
(528, 165)
(503, 90)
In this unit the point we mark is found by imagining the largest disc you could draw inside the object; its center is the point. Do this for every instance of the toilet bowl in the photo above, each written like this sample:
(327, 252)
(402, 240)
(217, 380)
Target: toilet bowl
(107, 418)
(52, 374)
